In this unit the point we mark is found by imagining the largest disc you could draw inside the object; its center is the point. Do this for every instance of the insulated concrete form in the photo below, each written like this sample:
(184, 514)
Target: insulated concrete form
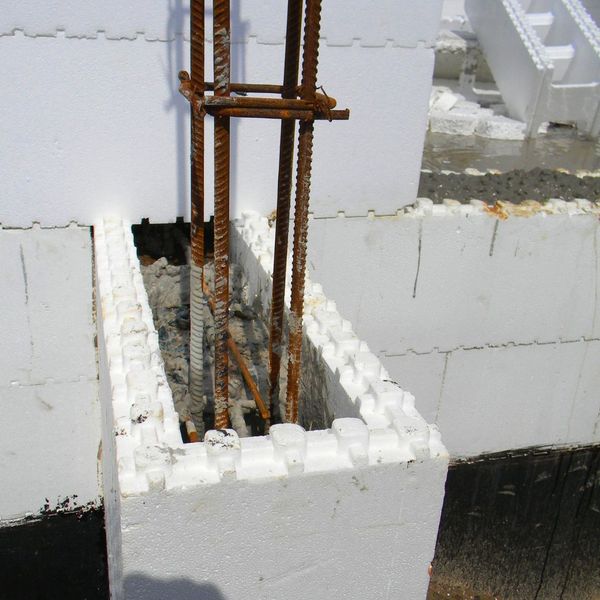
(489, 317)
(400, 22)
(545, 57)
(50, 434)
(111, 126)
(593, 9)
(350, 511)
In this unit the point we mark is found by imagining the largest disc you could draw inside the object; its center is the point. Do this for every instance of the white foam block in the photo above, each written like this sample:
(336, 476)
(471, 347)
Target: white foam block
(360, 534)
(496, 399)
(403, 23)
(460, 277)
(501, 128)
(385, 476)
(453, 123)
(46, 304)
(49, 448)
(126, 151)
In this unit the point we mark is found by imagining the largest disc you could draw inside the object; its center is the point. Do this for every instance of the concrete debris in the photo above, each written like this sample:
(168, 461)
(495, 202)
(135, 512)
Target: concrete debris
(451, 113)
(168, 291)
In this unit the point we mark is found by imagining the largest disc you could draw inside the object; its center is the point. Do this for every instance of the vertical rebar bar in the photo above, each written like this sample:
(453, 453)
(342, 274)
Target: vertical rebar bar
(197, 204)
(284, 190)
(222, 67)
(310, 57)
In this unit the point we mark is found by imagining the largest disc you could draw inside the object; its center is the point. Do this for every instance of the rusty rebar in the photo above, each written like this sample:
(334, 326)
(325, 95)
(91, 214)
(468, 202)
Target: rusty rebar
(310, 57)
(249, 88)
(222, 66)
(241, 361)
(197, 131)
(277, 113)
(277, 103)
(284, 192)
(195, 85)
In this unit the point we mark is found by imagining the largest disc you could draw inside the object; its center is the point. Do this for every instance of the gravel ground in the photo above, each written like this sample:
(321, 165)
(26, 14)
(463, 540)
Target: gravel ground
(512, 186)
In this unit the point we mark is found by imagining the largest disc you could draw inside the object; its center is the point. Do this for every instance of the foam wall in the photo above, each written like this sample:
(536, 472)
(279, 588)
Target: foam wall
(488, 317)
(350, 510)
(50, 434)
(99, 97)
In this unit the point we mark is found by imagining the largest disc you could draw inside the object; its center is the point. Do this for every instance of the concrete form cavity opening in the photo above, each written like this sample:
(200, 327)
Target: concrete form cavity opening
(164, 254)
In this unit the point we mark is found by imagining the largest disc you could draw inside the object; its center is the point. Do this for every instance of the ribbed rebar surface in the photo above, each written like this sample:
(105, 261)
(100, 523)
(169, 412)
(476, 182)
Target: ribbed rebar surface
(197, 137)
(197, 205)
(310, 60)
(197, 303)
(284, 190)
(222, 61)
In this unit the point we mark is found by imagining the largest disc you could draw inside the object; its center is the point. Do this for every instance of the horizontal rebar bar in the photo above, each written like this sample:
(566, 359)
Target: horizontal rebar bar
(248, 88)
(277, 113)
(280, 103)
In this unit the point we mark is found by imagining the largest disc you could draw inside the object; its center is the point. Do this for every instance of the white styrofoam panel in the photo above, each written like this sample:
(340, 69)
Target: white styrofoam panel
(514, 53)
(593, 9)
(375, 488)
(503, 398)
(350, 256)
(495, 399)
(356, 534)
(112, 134)
(49, 447)
(460, 277)
(372, 161)
(584, 418)
(15, 343)
(350, 171)
(46, 306)
(405, 23)
(110, 475)
(549, 76)
(421, 375)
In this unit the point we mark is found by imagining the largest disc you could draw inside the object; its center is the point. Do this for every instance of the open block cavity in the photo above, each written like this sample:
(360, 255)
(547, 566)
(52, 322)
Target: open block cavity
(353, 508)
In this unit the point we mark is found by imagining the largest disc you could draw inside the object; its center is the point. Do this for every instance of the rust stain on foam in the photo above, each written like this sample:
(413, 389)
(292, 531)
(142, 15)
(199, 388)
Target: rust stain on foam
(528, 208)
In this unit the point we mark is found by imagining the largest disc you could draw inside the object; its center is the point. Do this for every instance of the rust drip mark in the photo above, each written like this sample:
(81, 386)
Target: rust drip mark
(494, 234)
(496, 210)
(414, 295)
(502, 209)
